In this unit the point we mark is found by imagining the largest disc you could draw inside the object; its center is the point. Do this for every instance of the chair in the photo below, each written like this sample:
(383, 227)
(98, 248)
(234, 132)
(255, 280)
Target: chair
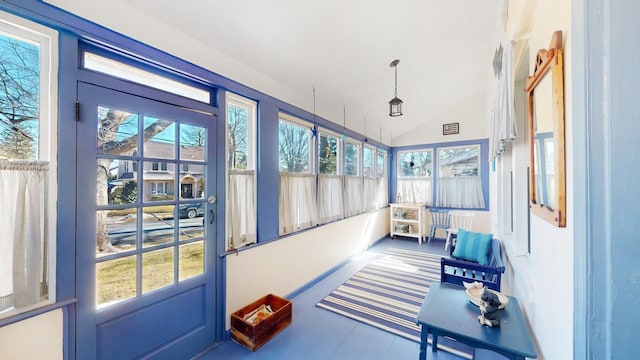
(456, 271)
(439, 220)
(458, 220)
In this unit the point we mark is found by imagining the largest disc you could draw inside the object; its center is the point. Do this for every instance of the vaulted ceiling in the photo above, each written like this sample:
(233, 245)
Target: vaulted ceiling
(340, 48)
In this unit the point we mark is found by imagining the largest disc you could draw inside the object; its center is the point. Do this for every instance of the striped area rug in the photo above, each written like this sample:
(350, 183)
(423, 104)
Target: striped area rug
(388, 292)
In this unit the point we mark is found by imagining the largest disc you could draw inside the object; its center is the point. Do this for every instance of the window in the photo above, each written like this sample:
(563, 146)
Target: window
(28, 166)
(368, 166)
(295, 145)
(123, 71)
(241, 172)
(459, 181)
(382, 193)
(297, 205)
(381, 163)
(159, 166)
(185, 167)
(369, 181)
(330, 180)
(159, 188)
(352, 181)
(414, 181)
(328, 153)
(351, 158)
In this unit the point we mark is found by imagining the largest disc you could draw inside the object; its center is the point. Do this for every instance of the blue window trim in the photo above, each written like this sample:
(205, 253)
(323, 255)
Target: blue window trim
(484, 165)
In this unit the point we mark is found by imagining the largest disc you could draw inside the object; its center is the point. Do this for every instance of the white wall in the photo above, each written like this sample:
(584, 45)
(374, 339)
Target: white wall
(543, 279)
(285, 265)
(471, 128)
(36, 338)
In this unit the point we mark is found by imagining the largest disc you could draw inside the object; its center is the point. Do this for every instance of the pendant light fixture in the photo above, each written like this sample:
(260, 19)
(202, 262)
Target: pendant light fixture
(395, 105)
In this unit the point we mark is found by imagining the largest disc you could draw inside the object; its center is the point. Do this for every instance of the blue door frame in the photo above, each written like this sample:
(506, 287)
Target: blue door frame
(175, 321)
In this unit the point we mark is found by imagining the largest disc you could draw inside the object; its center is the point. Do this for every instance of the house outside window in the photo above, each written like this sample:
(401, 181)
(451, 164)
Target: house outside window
(459, 181)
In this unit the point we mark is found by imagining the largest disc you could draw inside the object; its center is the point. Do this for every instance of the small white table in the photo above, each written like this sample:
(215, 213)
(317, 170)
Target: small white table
(408, 220)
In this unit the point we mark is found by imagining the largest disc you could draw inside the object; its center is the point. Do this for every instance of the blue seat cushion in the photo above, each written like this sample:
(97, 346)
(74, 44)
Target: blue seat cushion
(473, 246)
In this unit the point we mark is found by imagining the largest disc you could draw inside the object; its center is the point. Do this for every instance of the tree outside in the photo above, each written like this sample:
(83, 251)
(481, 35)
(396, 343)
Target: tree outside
(415, 163)
(328, 155)
(294, 148)
(19, 99)
(237, 138)
(351, 155)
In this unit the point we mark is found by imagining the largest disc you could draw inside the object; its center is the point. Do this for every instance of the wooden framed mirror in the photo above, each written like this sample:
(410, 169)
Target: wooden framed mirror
(545, 112)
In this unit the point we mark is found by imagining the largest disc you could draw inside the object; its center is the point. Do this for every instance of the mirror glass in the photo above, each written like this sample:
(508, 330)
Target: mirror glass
(543, 141)
(545, 89)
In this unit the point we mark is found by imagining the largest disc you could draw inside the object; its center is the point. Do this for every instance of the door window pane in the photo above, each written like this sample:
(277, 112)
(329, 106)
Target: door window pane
(193, 142)
(116, 231)
(191, 262)
(115, 280)
(159, 138)
(115, 127)
(157, 225)
(157, 269)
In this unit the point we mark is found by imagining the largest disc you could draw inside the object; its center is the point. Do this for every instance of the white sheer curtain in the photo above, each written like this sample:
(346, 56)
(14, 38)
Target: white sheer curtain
(369, 193)
(297, 206)
(330, 202)
(416, 190)
(23, 239)
(382, 193)
(460, 192)
(242, 208)
(503, 122)
(352, 195)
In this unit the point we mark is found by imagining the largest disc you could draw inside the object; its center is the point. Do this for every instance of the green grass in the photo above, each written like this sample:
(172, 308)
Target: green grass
(116, 279)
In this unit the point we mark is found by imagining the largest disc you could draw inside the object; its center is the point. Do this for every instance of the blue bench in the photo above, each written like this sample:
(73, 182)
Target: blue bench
(455, 271)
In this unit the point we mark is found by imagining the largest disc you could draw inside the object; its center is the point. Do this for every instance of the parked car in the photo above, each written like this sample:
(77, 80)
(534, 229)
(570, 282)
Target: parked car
(191, 210)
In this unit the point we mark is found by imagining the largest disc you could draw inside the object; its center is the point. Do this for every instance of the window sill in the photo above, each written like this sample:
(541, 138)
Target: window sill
(35, 312)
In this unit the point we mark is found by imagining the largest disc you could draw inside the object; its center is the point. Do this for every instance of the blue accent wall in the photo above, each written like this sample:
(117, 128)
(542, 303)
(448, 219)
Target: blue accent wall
(268, 179)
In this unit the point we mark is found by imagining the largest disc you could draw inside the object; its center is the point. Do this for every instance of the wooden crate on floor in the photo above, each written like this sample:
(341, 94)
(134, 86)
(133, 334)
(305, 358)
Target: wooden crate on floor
(254, 335)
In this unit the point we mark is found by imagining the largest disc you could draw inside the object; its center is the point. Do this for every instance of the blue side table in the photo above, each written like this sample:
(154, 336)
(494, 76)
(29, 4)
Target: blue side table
(446, 311)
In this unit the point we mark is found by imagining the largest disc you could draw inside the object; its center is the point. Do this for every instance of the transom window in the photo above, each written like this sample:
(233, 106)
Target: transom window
(124, 71)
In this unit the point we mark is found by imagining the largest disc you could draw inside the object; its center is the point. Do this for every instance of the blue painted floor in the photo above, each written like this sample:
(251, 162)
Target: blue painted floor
(318, 334)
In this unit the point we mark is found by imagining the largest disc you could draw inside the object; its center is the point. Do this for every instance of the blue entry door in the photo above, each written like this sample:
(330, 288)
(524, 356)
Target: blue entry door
(146, 226)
